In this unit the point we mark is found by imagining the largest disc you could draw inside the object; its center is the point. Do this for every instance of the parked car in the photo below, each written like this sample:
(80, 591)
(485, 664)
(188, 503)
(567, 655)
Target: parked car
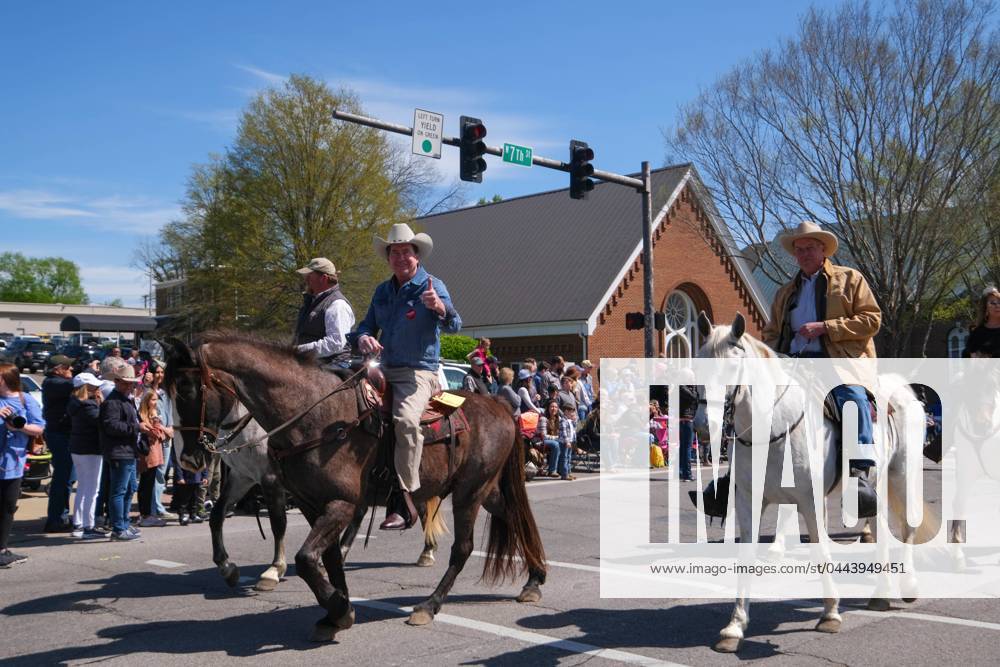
(29, 386)
(451, 374)
(29, 354)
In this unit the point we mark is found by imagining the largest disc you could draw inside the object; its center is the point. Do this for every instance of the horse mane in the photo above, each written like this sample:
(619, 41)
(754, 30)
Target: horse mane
(285, 350)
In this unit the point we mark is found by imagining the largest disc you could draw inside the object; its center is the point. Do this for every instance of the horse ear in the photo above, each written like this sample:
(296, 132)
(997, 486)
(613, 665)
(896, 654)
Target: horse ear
(178, 353)
(739, 326)
(704, 324)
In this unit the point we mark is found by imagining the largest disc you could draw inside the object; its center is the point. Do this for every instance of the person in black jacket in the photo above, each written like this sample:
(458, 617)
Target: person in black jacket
(119, 434)
(56, 390)
(85, 447)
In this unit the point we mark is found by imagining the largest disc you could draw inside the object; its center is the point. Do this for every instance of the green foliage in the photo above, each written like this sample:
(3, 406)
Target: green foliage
(456, 346)
(39, 280)
(483, 201)
(114, 303)
(296, 184)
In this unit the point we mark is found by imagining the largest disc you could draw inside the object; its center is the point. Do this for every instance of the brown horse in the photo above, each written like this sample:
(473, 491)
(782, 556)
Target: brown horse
(331, 480)
(204, 410)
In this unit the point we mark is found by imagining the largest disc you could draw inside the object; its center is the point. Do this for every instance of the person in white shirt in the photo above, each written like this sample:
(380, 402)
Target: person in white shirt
(326, 317)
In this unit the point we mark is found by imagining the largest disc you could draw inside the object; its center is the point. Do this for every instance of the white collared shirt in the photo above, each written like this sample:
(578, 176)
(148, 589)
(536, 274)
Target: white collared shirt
(338, 321)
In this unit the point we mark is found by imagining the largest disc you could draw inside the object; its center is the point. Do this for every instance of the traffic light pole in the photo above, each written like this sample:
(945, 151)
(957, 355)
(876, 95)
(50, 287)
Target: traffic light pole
(647, 258)
(643, 186)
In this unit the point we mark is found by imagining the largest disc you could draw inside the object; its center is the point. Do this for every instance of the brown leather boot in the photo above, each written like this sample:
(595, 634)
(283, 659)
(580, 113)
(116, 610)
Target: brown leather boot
(403, 516)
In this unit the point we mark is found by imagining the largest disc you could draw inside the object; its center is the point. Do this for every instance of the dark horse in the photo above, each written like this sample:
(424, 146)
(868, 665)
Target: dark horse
(331, 481)
(207, 410)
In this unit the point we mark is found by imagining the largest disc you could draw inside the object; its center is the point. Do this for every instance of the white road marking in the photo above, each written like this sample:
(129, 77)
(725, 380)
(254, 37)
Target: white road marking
(568, 645)
(934, 618)
(624, 573)
(169, 564)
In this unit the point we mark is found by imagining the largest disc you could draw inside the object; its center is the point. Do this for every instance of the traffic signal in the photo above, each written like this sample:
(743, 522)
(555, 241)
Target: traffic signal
(635, 321)
(659, 321)
(580, 169)
(471, 149)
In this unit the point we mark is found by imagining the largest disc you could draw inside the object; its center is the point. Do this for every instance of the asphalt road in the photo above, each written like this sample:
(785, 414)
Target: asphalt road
(159, 601)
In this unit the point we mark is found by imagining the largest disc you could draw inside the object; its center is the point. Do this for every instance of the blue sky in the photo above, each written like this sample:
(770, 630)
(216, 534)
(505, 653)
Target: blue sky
(106, 106)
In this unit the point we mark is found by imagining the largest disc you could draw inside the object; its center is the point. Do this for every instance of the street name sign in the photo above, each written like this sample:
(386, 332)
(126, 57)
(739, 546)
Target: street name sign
(515, 154)
(427, 133)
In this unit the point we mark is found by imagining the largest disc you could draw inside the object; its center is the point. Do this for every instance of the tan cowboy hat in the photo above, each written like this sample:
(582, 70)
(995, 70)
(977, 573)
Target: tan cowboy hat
(124, 373)
(319, 265)
(809, 230)
(401, 233)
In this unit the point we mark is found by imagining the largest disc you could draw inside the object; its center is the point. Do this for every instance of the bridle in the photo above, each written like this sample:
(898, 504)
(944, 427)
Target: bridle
(729, 414)
(218, 443)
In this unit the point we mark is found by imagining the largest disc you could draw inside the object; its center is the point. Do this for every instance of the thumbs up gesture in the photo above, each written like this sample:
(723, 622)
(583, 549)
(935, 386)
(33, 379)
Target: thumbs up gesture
(431, 300)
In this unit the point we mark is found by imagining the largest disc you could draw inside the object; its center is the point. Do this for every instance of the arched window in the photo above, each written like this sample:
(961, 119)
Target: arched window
(957, 339)
(680, 338)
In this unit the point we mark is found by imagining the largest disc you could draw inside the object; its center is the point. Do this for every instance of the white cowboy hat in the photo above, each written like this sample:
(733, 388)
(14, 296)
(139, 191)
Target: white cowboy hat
(809, 230)
(401, 233)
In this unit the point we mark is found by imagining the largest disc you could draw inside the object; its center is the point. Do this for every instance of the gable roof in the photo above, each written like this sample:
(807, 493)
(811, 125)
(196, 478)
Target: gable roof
(494, 258)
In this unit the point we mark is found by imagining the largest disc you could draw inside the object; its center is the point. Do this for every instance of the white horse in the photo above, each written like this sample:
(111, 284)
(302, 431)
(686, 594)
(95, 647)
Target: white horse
(732, 342)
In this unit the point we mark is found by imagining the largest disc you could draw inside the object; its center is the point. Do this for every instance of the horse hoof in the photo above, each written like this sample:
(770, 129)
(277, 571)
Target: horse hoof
(830, 625)
(266, 585)
(878, 604)
(346, 621)
(420, 617)
(728, 645)
(231, 573)
(530, 594)
(425, 560)
(323, 632)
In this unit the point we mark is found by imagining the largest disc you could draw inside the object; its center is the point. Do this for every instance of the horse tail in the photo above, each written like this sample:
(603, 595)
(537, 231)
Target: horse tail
(929, 525)
(514, 543)
(434, 526)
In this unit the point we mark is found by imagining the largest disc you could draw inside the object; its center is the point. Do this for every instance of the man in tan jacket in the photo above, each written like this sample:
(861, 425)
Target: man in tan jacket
(827, 311)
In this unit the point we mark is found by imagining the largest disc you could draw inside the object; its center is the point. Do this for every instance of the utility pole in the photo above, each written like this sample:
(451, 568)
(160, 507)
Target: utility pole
(643, 186)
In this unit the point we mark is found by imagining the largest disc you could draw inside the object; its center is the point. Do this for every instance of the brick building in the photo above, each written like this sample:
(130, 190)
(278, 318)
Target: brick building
(544, 274)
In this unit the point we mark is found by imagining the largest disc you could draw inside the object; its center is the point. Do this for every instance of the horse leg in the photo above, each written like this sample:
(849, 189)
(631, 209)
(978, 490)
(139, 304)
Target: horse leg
(351, 532)
(465, 522)
(274, 495)
(831, 620)
(531, 592)
(322, 545)
(731, 636)
(236, 485)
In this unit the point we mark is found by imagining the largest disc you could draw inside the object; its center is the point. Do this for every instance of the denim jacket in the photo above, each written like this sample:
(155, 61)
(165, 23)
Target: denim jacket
(411, 334)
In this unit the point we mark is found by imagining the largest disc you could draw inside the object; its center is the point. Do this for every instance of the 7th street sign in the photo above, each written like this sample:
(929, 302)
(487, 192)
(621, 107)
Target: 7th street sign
(517, 154)
(427, 133)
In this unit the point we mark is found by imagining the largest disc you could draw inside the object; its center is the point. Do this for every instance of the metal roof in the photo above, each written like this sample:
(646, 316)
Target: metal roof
(107, 323)
(541, 258)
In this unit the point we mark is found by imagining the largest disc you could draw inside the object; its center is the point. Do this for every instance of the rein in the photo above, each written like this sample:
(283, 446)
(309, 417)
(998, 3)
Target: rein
(210, 379)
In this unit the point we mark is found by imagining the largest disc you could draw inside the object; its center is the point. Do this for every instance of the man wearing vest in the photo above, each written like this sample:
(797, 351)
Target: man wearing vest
(326, 317)
(828, 311)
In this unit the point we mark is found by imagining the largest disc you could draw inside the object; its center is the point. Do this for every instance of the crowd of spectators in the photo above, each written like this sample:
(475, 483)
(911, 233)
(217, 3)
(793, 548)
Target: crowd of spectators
(109, 428)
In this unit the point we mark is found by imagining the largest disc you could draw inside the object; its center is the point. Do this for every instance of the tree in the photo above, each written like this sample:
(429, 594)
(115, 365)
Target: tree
(883, 128)
(456, 346)
(296, 184)
(39, 280)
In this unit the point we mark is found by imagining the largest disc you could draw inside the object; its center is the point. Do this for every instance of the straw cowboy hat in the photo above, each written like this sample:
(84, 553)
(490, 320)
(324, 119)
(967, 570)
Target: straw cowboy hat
(401, 233)
(809, 230)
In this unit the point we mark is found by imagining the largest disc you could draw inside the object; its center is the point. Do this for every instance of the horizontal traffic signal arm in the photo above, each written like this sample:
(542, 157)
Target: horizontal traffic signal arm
(537, 160)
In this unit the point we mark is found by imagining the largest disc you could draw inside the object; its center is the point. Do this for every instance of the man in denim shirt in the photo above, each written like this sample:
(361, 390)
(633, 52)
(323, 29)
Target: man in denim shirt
(411, 309)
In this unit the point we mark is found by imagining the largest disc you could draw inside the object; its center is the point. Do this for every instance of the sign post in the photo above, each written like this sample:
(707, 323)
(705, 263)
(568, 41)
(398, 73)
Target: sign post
(427, 133)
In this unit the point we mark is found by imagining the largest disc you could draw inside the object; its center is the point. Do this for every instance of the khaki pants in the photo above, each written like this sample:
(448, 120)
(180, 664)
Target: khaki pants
(411, 389)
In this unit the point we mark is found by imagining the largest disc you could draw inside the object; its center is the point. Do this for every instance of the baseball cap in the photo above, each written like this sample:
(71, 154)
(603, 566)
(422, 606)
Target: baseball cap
(320, 265)
(523, 374)
(88, 379)
(477, 361)
(60, 360)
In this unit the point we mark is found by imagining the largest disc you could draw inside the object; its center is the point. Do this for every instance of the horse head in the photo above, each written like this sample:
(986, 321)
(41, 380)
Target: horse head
(200, 408)
(722, 341)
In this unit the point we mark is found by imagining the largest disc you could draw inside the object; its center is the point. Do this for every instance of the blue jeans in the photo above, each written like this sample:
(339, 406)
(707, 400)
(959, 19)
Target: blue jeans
(122, 488)
(560, 457)
(161, 480)
(687, 439)
(62, 476)
(842, 395)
